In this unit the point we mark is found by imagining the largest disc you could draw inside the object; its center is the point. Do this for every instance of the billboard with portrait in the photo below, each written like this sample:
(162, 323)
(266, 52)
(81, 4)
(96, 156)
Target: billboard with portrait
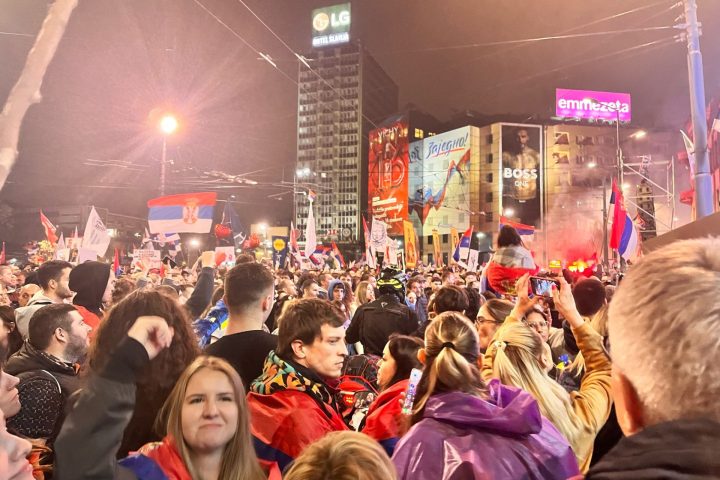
(388, 174)
(521, 171)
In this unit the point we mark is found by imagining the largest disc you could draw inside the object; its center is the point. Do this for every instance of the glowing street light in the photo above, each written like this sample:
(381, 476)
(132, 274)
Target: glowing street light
(168, 124)
(195, 242)
(592, 165)
(639, 134)
(509, 212)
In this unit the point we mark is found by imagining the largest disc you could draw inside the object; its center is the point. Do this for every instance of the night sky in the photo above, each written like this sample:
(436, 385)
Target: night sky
(90, 141)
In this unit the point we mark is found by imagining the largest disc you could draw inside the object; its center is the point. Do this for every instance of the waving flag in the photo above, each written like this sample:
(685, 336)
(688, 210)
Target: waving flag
(623, 234)
(230, 218)
(96, 236)
(49, 229)
(184, 213)
(338, 255)
(369, 255)
(522, 229)
(463, 247)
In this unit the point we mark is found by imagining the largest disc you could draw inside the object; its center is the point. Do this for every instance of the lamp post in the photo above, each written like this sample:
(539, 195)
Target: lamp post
(168, 125)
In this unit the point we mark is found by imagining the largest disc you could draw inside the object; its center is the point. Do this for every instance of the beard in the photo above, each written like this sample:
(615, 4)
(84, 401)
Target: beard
(76, 349)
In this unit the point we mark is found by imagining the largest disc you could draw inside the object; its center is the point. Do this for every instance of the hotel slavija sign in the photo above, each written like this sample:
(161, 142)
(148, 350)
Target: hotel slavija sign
(331, 25)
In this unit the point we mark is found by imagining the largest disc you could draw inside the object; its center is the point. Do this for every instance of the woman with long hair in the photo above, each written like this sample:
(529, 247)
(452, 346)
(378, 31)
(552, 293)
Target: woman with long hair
(157, 378)
(490, 431)
(398, 360)
(491, 315)
(364, 293)
(516, 357)
(204, 420)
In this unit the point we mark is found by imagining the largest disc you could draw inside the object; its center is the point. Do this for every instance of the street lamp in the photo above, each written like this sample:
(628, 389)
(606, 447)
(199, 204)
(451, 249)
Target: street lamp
(167, 126)
(509, 212)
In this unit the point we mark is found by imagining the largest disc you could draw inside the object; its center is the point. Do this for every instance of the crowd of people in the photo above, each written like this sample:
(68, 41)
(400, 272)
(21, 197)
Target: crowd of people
(251, 372)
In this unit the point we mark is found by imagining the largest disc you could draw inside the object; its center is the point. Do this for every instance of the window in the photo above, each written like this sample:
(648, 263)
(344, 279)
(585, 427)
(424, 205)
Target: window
(489, 197)
(489, 217)
(489, 177)
(490, 139)
(445, 238)
(419, 133)
(489, 158)
(430, 240)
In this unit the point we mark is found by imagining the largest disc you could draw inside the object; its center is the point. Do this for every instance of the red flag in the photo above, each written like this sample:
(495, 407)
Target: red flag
(116, 262)
(49, 229)
(2, 255)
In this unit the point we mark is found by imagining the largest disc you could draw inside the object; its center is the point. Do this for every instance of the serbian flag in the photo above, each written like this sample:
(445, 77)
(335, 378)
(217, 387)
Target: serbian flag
(369, 255)
(184, 213)
(116, 263)
(623, 234)
(310, 233)
(522, 229)
(463, 247)
(49, 229)
(338, 254)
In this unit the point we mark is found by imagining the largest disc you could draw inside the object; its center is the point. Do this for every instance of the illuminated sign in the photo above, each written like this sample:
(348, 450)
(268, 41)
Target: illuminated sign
(589, 104)
(331, 25)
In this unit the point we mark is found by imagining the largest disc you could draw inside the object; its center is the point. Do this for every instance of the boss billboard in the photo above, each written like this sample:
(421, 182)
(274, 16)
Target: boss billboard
(521, 172)
(331, 25)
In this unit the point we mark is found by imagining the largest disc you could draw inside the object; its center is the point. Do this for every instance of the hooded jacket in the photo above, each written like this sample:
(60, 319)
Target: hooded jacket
(290, 408)
(681, 449)
(24, 314)
(89, 281)
(463, 436)
(381, 420)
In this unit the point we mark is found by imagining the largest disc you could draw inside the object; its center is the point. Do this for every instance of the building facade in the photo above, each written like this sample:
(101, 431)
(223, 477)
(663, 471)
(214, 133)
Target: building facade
(343, 93)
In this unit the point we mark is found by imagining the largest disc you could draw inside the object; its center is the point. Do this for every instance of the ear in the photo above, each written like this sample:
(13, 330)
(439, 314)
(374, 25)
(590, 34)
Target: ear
(298, 348)
(627, 404)
(422, 356)
(60, 335)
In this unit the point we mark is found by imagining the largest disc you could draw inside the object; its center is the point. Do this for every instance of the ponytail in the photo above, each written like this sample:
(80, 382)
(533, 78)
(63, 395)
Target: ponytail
(451, 354)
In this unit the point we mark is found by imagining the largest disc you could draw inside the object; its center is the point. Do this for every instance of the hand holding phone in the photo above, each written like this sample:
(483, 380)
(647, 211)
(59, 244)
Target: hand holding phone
(542, 286)
(415, 376)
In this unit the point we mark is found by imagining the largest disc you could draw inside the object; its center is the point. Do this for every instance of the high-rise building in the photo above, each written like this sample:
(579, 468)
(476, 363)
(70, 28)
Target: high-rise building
(343, 93)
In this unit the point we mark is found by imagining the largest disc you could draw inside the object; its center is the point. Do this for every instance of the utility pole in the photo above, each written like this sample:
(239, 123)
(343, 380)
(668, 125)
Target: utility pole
(703, 180)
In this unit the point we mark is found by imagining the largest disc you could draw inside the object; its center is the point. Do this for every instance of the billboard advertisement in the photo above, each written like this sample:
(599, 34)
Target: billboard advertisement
(331, 25)
(388, 160)
(521, 172)
(442, 200)
(589, 104)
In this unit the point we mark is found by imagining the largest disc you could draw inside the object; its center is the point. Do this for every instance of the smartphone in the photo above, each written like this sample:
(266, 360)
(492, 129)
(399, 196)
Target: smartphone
(415, 376)
(543, 286)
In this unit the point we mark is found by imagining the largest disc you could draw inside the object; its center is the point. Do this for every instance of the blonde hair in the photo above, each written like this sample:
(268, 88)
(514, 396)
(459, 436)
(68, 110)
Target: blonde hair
(343, 456)
(452, 347)
(515, 350)
(361, 293)
(238, 461)
(599, 323)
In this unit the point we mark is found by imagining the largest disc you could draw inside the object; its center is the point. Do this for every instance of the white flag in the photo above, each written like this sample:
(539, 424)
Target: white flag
(96, 236)
(61, 242)
(310, 233)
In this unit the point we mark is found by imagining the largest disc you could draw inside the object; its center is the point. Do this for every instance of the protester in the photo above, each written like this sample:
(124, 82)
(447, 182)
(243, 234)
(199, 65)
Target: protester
(374, 322)
(123, 287)
(10, 331)
(417, 285)
(291, 404)
(665, 356)
(26, 292)
(516, 357)
(207, 392)
(286, 291)
(491, 315)
(156, 379)
(7, 279)
(47, 366)
(398, 360)
(489, 431)
(449, 298)
(249, 296)
(310, 288)
(510, 261)
(93, 283)
(364, 293)
(342, 456)
(53, 278)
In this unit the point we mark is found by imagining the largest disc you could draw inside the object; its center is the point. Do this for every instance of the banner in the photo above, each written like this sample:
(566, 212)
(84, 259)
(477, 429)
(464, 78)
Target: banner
(436, 248)
(378, 235)
(225, 255)
(410, 245)
(146, 258)
(184, 213)
(96, 235)
(473, 259)
(388, 174)
(521, 172)
(280, 247)
(454, 240)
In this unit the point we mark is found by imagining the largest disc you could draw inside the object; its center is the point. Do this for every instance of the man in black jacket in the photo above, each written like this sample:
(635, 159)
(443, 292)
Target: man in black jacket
(374, 322)
(663, 322)
(48, 370)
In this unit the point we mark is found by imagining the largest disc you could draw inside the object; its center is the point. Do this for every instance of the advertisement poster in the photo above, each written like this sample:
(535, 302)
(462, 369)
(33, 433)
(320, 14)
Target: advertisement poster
(331, 25)
(521, 172)
(410, 245)
(443, 201)
(589, 104)
(388, 175)
(437, 251)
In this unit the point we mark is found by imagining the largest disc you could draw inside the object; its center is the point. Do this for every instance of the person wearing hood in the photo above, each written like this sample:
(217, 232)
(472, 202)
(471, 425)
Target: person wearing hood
(93, 283)
(293, 404)
(489, 431)
(53, 278)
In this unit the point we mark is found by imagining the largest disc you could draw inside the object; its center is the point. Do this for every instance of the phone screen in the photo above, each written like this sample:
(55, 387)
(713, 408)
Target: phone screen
(415, 376)
(542, 286)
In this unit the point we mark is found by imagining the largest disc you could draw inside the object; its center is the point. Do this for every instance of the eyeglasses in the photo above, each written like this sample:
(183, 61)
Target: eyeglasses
(482, 320)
